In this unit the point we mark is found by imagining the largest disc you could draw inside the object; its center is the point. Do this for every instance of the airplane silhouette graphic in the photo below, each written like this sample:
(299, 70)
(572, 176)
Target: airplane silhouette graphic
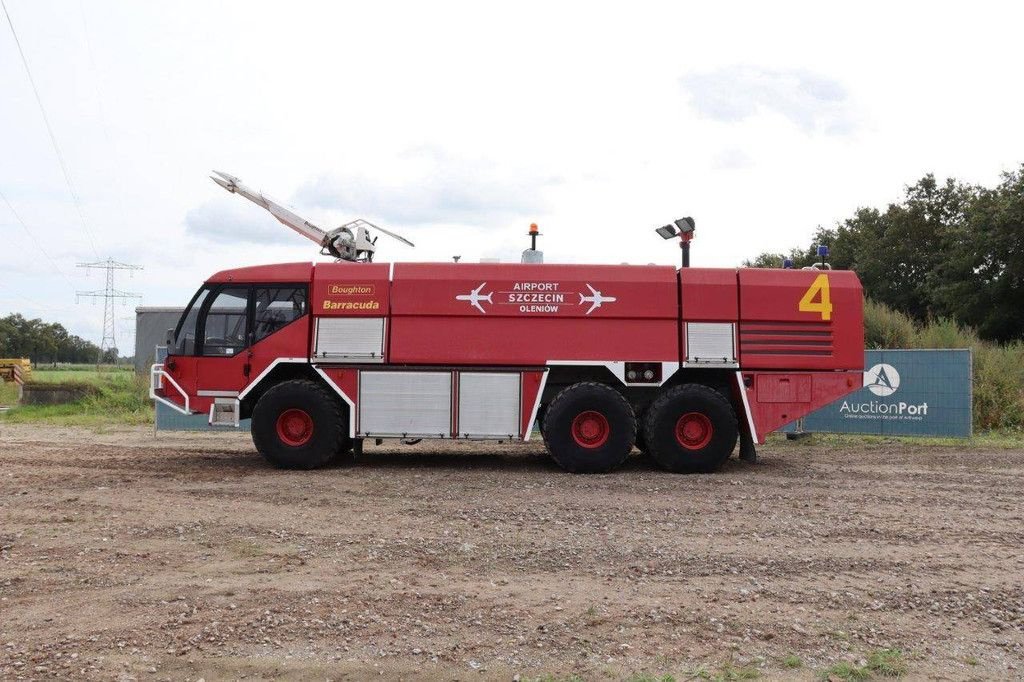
(596, 299)
(474, 297)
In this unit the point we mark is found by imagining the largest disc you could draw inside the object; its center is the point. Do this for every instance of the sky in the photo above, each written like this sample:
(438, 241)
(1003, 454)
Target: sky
(457, 124)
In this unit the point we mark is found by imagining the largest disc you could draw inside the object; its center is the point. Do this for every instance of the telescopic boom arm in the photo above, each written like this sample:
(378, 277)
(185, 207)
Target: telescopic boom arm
(297, 223)
(349, 242)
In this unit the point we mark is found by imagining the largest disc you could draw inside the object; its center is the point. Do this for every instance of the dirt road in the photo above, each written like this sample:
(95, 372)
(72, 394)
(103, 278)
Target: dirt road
(187, 557)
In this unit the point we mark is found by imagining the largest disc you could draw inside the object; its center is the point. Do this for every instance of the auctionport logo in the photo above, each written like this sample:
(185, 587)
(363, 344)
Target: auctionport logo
(882, 379)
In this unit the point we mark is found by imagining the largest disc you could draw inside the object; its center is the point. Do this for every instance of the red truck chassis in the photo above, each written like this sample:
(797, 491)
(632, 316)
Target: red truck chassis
(682, 363)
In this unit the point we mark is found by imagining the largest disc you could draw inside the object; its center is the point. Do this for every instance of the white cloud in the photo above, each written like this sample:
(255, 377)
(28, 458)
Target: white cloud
(732, 159)
(235, 220)
(732, 94)
(426, 186)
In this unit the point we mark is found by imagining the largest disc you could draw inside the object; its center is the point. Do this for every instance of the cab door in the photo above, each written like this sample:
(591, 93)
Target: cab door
(247, 329)
(181, 364)
(222, 366)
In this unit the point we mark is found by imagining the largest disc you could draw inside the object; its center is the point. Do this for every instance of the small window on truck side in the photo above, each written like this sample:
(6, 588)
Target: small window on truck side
(275, 307)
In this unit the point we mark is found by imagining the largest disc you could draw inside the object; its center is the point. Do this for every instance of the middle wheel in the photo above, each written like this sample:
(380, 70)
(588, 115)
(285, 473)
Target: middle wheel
(589, 428)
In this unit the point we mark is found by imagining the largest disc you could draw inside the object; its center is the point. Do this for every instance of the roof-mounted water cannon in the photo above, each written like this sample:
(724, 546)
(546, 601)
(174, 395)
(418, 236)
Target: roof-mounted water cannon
(532, 255)
(682, 228)
(350, 242)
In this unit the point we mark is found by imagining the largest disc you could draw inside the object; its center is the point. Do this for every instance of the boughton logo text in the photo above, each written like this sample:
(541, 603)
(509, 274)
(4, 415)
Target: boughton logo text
(351, 290)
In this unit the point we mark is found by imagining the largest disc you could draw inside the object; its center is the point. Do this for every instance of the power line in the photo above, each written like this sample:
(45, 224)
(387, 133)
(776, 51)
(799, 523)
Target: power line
(32, 301)
(98, 88)
(33, 237)
(53, 138)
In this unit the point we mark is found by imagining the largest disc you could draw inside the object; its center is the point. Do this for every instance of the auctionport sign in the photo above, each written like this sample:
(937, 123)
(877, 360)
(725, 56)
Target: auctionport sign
(906, 393)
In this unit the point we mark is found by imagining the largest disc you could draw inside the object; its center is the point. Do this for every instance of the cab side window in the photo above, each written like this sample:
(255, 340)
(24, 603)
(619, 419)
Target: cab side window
(276, 307)
(225, 324)
(184, 341)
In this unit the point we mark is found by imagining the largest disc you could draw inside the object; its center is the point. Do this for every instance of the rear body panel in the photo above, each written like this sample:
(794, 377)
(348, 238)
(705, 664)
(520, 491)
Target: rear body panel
(776, 334)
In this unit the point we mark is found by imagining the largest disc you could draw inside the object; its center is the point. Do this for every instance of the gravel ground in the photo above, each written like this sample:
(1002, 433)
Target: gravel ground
(127, 556)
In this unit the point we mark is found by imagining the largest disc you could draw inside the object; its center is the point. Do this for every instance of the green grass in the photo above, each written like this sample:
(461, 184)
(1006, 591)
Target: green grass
(887, 663)
(118, 397)
(792, 662)
(727, 673)
(8, 393)
(880, 663)
(81, 373)
(1009, 439)
(844, 670)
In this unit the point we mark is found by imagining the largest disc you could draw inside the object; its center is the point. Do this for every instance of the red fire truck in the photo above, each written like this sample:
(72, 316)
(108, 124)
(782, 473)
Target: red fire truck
(681, 363)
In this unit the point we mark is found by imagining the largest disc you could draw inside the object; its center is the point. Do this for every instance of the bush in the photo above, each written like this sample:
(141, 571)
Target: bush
(887, 328)
(945, 333)
(999, 386)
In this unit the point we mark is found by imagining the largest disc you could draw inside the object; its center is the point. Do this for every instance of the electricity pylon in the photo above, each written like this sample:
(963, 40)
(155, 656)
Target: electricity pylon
(109, 294)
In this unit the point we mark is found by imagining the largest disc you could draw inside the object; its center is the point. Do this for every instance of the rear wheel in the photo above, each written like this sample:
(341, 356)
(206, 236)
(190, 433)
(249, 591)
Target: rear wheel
(690, 428)
(299, 425)
(589, 428)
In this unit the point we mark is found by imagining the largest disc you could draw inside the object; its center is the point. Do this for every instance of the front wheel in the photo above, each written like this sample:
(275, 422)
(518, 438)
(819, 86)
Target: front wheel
(589, 428)
(690, 428)
(299, 425)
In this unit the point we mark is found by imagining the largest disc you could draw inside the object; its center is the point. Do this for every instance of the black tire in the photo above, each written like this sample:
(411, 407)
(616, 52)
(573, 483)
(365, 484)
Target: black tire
(589, 428)
(299, 425)
(690, 428)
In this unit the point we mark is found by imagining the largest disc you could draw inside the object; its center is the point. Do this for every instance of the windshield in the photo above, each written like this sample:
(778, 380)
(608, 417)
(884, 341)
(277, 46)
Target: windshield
(184, 341)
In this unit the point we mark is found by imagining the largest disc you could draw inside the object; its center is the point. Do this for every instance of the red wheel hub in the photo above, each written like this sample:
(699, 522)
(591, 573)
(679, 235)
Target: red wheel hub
(590, 429)
(294, 427)
(694, 430)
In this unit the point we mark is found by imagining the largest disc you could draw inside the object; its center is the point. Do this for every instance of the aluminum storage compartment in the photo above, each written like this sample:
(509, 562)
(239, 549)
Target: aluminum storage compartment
(353, 339)
(711, 343)
(489, 404)
(405, 404)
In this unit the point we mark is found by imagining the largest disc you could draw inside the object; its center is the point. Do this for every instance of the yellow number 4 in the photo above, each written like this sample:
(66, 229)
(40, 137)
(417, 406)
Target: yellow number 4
(824, 303)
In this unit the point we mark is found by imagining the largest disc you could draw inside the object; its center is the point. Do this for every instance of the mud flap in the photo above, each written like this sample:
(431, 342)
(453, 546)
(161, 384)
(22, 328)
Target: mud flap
(746, 422)
(747, 451)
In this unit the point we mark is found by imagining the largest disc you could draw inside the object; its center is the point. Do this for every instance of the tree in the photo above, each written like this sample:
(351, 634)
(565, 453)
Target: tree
(945, 250)
(43, 342)
(981, 282)
(765, 260)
